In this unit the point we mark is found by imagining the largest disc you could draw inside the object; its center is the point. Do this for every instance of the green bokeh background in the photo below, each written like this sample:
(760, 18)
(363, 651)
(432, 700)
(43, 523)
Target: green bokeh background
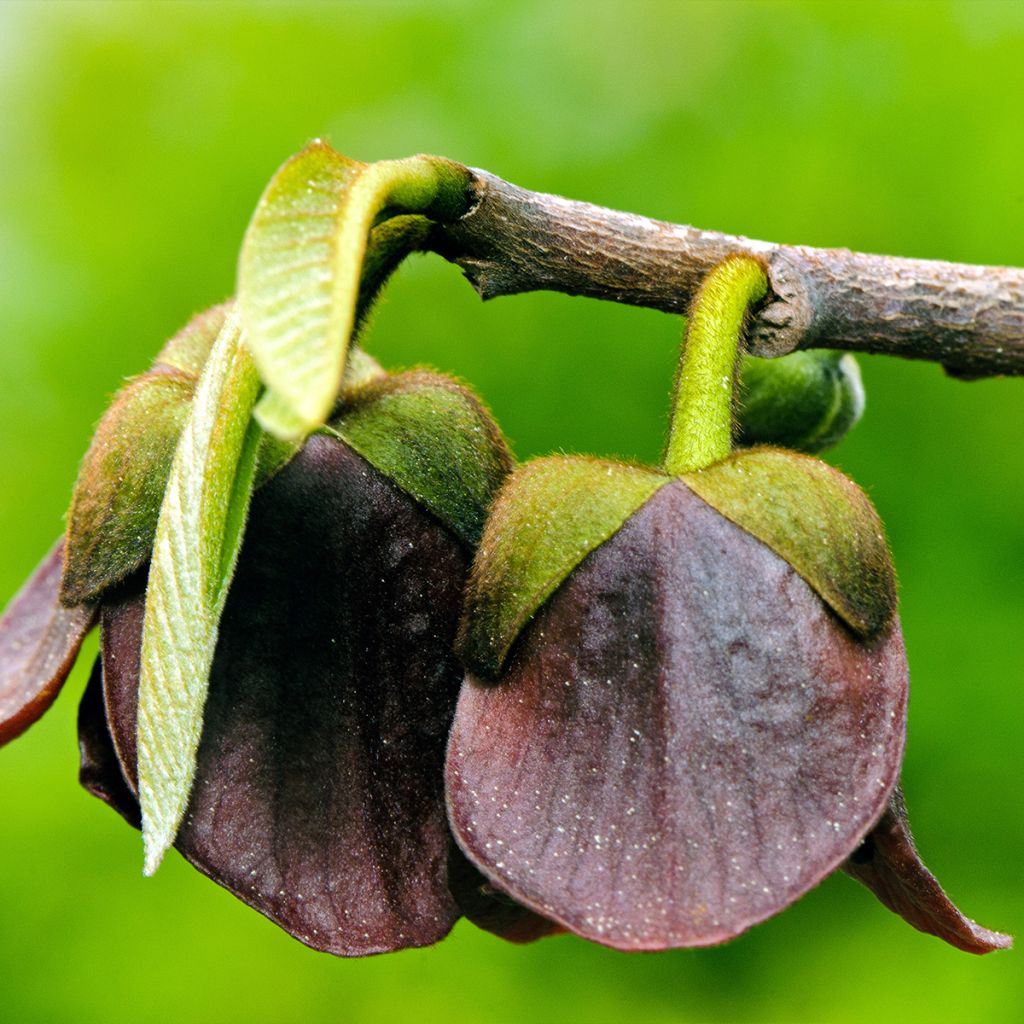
(134, 142)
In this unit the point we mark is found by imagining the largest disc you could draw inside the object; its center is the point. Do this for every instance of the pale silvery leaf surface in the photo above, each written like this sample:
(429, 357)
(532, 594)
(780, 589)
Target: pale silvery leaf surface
(197, 539)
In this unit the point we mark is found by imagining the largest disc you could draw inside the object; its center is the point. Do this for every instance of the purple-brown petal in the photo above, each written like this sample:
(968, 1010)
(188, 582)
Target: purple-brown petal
(99, 771)
(491, 909)
(685, 740)
(888, 863)
(39, 641)
(318, 794)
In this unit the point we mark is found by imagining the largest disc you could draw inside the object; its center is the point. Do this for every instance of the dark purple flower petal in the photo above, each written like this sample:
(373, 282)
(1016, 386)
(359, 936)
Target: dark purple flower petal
(99, 770)
(318, 794)
(491, 909)
(686, 738)
(39, 641)
(887, 862)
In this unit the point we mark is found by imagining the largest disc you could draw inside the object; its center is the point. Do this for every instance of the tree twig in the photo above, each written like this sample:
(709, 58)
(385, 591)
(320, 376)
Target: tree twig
(968, 318)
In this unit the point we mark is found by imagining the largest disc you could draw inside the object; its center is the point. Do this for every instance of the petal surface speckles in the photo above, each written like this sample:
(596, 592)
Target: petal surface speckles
(318, 796)
(684, 741)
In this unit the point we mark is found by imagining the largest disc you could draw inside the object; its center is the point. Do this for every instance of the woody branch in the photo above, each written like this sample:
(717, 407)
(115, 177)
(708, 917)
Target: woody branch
(968, 318)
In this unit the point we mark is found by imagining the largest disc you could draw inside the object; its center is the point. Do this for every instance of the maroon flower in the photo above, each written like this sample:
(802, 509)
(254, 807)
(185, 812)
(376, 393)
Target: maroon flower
(686, 702)
(318, 796)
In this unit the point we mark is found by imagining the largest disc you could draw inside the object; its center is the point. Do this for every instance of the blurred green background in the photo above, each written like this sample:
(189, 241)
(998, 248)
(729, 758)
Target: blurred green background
(134, 142)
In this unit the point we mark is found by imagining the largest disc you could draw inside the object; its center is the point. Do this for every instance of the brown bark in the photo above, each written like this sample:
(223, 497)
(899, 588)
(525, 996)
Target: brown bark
(969, 318)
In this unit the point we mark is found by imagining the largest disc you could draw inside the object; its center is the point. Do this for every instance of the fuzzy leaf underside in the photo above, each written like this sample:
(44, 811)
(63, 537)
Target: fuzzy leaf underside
(434, 439)
(817, 520)
(301, 268)
(197, 539)
(547, 518)
(805, 400)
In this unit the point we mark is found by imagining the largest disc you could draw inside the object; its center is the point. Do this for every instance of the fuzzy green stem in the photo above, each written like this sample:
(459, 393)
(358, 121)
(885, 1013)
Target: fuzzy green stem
(701, 429)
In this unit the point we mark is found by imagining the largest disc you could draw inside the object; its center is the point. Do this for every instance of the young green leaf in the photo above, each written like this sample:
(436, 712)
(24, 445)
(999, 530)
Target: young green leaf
(197, 539)
(301, 268)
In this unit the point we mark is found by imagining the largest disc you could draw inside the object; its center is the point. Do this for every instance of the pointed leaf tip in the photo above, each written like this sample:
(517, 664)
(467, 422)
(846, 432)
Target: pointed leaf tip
(197, 539)
(888, 864)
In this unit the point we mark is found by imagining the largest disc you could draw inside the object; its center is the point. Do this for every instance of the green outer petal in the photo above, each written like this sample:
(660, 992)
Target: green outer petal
(434, 439)
(815, 518)
(117, 497)
(547, 518)
(120, 485)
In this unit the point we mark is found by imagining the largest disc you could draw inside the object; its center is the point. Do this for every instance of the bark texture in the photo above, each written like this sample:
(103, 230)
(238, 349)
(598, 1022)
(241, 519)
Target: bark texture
(968, 318)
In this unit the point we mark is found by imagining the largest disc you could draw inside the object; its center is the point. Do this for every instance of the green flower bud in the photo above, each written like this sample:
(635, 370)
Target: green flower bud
(807, 400)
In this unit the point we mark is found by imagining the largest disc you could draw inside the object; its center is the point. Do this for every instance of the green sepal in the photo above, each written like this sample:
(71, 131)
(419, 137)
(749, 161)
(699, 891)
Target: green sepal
(547, 518)
(806, 400)
(816, 519)
(121, 483)
(434, 439)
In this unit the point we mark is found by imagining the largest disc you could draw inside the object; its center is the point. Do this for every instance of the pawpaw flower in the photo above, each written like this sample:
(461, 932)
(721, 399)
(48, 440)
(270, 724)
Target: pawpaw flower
(687, 689)
(318, 794)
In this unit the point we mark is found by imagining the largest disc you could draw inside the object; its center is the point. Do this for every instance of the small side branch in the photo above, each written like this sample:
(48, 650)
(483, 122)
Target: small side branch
(968, 318)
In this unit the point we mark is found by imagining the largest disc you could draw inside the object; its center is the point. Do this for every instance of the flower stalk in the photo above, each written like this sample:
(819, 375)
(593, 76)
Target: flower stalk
(701, 428)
